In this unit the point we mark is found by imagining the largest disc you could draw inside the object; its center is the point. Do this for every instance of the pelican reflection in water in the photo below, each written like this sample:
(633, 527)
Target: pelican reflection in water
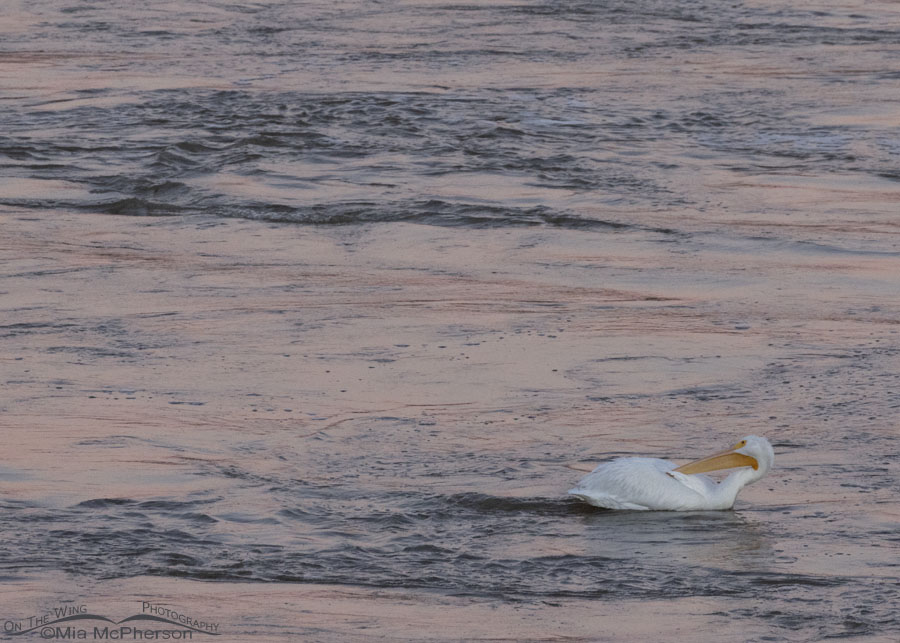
(653, 484)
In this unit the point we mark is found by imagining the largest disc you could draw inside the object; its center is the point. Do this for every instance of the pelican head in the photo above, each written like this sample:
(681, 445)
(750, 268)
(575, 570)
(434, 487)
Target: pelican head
(752, 452)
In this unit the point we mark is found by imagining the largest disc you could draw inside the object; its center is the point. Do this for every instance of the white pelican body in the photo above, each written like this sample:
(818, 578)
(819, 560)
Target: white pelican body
(653, 484)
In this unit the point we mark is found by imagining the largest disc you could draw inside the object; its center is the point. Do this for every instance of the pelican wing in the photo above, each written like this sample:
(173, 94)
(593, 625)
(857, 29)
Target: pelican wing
(641, 484)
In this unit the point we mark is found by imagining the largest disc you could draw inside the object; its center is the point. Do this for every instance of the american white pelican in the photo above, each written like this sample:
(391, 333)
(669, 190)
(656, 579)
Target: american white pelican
(654, 484)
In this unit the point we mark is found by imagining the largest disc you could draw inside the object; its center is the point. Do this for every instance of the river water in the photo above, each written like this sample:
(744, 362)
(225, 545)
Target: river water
(348, 294)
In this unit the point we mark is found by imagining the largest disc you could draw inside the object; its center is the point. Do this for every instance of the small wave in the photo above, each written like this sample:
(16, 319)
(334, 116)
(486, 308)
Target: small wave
(174, 505)
(137, 207)
(103, 503)
(430, 212)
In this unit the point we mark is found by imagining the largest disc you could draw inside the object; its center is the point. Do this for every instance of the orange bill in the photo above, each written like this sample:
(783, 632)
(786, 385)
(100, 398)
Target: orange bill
(723, 460)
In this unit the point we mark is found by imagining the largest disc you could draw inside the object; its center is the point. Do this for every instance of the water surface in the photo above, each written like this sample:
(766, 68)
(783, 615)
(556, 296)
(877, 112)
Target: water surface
(346, 295)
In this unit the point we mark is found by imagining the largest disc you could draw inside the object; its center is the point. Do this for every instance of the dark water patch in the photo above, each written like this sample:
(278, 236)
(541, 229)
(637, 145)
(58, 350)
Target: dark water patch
(246, 518)
(710, 393)
(137, 207)
(198, 518)
(175, 505)
(432, 212)
(482, 503)
(102, 503)
(174, 559)
(91, 351)
(27, 328)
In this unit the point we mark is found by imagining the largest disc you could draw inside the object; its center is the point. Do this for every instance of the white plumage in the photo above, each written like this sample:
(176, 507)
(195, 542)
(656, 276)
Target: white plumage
(652, 484)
